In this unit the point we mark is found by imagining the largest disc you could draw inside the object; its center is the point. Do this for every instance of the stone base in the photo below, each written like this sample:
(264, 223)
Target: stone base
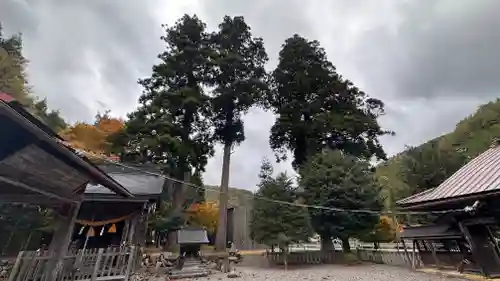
(191, 269)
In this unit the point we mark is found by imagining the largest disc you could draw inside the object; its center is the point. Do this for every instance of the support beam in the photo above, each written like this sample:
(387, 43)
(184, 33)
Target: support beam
(407, 255)
(60, 242)
(473, 249)
(413, 260)
(434, 254)
(133, 226)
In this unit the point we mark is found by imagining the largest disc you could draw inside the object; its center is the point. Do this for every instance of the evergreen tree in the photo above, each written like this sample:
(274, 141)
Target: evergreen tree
(316, 108)
(238, 79)
(278, 224)
(338, 180)
(170, 127)
(51, 118)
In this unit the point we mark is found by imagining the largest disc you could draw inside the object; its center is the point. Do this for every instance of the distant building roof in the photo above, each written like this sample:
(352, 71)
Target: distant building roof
(481, 175)
(192, 236)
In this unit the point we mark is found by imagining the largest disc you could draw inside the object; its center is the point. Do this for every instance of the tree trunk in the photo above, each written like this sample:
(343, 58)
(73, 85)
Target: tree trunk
(326, 244)
(221, 237)
(346, 247)
(284, 250)
(177, 203)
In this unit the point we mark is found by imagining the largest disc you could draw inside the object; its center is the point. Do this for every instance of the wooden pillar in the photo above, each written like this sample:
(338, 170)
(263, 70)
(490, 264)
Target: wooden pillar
(133, 226)
(473, 249)
(413, 260)
(434, 255)
(141, 231)
(407, 255)
(60, 241)
(126, 228)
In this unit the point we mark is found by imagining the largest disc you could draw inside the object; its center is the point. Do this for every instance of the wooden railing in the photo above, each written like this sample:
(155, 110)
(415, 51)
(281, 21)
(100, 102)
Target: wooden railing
(91, 264)
(382, 256)
(304, 257)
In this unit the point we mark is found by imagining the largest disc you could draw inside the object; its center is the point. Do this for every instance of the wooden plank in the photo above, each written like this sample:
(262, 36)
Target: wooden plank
(16, 266)
(130, 263)
(111, 265)
(107, 278)
(29, 265)
(97, 265)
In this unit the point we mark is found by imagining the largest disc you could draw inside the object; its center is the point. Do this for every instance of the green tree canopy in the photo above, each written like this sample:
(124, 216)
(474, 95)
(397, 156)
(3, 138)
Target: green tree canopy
(277, 224)
(317, 108)
(338, 180)
(170, 128)
(50, 117)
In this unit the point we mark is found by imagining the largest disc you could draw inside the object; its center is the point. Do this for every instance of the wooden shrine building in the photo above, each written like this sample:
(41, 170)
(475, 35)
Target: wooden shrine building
(464, 235)
(37, 168)
(106, 219)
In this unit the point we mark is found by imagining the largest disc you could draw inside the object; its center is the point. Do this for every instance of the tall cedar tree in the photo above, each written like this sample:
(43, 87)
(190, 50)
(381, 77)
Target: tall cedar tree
(272, 222)
(171, 127)
(239, 79)
(316, 108)
(338, 180)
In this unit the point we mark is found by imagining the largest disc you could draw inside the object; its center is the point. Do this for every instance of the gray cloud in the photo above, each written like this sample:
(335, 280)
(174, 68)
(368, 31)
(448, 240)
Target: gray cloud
(85, 53)
(432, 62)
(439, 48)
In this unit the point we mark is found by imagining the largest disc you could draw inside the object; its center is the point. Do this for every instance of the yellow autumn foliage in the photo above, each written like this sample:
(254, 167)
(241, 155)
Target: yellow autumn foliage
(204, 214)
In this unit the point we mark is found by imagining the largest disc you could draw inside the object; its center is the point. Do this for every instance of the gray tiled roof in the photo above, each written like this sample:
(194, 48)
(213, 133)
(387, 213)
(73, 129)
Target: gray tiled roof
(137, 183)
(192, 236)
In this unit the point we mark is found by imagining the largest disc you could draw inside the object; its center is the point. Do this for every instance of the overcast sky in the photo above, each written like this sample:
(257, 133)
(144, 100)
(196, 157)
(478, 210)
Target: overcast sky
(431, 61)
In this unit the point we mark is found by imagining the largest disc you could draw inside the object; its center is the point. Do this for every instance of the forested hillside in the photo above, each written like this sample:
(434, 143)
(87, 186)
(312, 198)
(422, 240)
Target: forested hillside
(426, 166)
(237, 196)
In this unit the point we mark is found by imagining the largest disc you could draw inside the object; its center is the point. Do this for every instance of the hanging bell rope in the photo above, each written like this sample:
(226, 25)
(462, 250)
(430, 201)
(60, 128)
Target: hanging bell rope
(104, 222)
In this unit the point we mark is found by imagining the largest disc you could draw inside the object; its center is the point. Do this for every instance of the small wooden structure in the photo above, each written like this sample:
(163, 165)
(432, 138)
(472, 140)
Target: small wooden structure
(439, 246)
(471, 195)
(36, 168)
(106, 219)
(190, 240)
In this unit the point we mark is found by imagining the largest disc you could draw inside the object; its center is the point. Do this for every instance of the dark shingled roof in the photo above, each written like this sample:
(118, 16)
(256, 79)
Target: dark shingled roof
(137, 182)
(480, 175)
(192, 236)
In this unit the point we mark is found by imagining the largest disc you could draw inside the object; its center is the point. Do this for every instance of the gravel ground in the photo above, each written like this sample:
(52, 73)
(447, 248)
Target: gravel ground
(330, 273)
